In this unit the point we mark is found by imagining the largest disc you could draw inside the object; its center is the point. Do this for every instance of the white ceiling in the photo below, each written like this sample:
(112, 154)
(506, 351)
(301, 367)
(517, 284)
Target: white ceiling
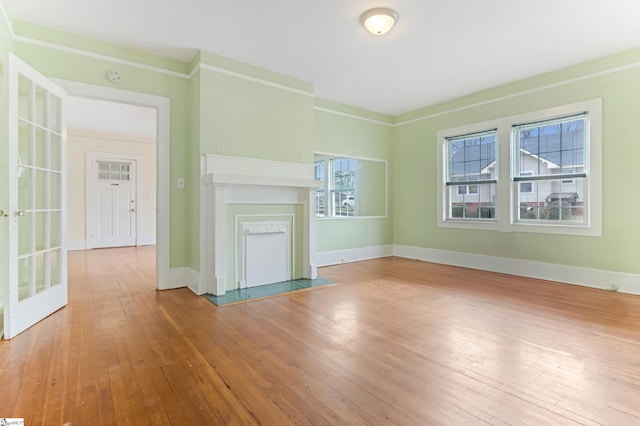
(111, 118)
(439, 49)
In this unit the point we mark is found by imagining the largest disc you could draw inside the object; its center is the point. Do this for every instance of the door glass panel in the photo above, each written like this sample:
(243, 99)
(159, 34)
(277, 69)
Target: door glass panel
(41, 271)
(41, 229)
(41, 149)
(24, 188)
(103, 172)
(56, 229)
(25, 234)
(41, 106)
(55, 117)
(24, 97)
(115, 172)
(41, 189)
(24, 143)
(55, 153)
(55, 268)
(55, 196)
(25, 274)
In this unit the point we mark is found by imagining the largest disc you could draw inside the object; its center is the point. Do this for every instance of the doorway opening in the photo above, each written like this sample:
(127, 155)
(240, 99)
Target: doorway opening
(111, 152)
(157, 110)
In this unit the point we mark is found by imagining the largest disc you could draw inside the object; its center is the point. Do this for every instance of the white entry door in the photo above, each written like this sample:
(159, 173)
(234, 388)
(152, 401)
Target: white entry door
(37, 267)
(113, 209)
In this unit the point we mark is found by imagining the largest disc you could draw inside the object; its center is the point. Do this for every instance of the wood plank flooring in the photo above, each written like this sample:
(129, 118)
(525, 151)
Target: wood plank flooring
(396, 341)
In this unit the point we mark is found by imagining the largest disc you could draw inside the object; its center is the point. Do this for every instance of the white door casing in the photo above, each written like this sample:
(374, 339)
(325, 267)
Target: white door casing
(163, 106)
(37, 266)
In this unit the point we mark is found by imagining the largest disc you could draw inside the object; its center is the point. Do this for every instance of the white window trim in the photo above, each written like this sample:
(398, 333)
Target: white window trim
(507, 189)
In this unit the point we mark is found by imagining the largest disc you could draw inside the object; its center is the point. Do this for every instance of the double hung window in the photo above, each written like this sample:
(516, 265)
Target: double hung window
(470, 176)
(550, 169)
(535, 172)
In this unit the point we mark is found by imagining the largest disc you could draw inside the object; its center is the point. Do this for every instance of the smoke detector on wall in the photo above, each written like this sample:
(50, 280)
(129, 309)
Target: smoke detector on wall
(114, 76)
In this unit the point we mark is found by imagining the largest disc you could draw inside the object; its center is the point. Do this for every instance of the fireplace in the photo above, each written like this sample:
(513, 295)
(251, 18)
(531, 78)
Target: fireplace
(265, 256)
(258, 222)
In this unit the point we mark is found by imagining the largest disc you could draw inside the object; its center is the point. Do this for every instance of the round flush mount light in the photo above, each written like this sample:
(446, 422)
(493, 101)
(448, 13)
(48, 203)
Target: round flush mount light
(380, 20)
(114, 76)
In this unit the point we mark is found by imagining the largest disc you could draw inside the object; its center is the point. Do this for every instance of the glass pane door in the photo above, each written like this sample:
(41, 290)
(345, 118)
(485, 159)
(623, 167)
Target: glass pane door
(36, 155)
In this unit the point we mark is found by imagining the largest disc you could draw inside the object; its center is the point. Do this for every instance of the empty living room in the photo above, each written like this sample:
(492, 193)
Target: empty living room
(319, 213)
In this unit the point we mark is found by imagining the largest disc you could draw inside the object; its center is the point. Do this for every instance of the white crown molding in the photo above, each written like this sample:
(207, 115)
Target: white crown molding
(357, 117)
(99, 56)
(219, 70)
(523, 93)
(586, 277)
(7, 19)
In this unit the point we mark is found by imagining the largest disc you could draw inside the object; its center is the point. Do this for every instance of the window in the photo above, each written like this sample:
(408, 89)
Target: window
(555, 150)
(342, 186)
(319, 169)
(352, 187)
(113, 171)
(471, 176)
(535, 172)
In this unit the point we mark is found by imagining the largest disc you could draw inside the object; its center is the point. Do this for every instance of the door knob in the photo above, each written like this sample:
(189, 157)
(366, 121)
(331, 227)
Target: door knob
(20, 212)
(3, 214)
(133, 210)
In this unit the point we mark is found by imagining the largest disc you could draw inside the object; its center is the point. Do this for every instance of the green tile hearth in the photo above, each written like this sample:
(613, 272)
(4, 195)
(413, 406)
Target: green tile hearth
(267, 290)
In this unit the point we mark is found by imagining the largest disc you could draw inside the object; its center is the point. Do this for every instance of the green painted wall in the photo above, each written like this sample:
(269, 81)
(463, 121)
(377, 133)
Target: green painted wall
(414, 174)
(245, 118)
(220, 112)
(192, 177)
(368, 136)
(75, 66)
(269, 119)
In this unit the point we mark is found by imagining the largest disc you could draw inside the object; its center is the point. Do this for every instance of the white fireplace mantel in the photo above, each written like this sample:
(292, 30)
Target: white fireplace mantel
(226, 180)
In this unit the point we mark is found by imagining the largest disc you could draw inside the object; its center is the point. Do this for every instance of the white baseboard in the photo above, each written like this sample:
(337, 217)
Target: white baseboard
(184, 277)
(76, 245)
(588, 277)
(149, 240)
(327, 258)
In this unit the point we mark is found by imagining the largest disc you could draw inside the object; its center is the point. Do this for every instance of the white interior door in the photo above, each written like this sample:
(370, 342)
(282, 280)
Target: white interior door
(37, 198)
(114, 213)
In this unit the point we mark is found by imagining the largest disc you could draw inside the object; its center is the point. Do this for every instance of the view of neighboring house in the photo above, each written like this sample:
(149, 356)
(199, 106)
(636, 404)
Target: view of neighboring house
(341, 185)
(548, 177)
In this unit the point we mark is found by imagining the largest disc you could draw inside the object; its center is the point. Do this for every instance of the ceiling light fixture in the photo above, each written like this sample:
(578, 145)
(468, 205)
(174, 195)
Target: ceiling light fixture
(380, 20)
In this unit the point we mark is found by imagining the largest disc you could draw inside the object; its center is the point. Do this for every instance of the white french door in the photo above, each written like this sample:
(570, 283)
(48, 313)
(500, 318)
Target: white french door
(37, 266)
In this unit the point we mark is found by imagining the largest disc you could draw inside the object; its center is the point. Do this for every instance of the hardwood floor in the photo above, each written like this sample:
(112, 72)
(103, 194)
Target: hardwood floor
(395, 341)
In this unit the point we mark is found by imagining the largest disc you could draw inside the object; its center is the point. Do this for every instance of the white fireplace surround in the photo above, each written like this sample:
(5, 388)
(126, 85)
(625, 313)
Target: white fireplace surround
(235, 180)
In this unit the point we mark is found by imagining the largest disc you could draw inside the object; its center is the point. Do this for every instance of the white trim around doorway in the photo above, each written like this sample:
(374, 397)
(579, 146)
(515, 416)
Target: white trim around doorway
(163, 138)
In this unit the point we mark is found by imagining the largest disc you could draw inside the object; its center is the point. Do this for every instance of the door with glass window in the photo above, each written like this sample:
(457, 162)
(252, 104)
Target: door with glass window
(36, 227)
(113, 210)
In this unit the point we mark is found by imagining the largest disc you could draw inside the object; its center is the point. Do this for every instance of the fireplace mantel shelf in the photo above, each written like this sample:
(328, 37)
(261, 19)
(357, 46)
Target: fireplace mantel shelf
(232, 179)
